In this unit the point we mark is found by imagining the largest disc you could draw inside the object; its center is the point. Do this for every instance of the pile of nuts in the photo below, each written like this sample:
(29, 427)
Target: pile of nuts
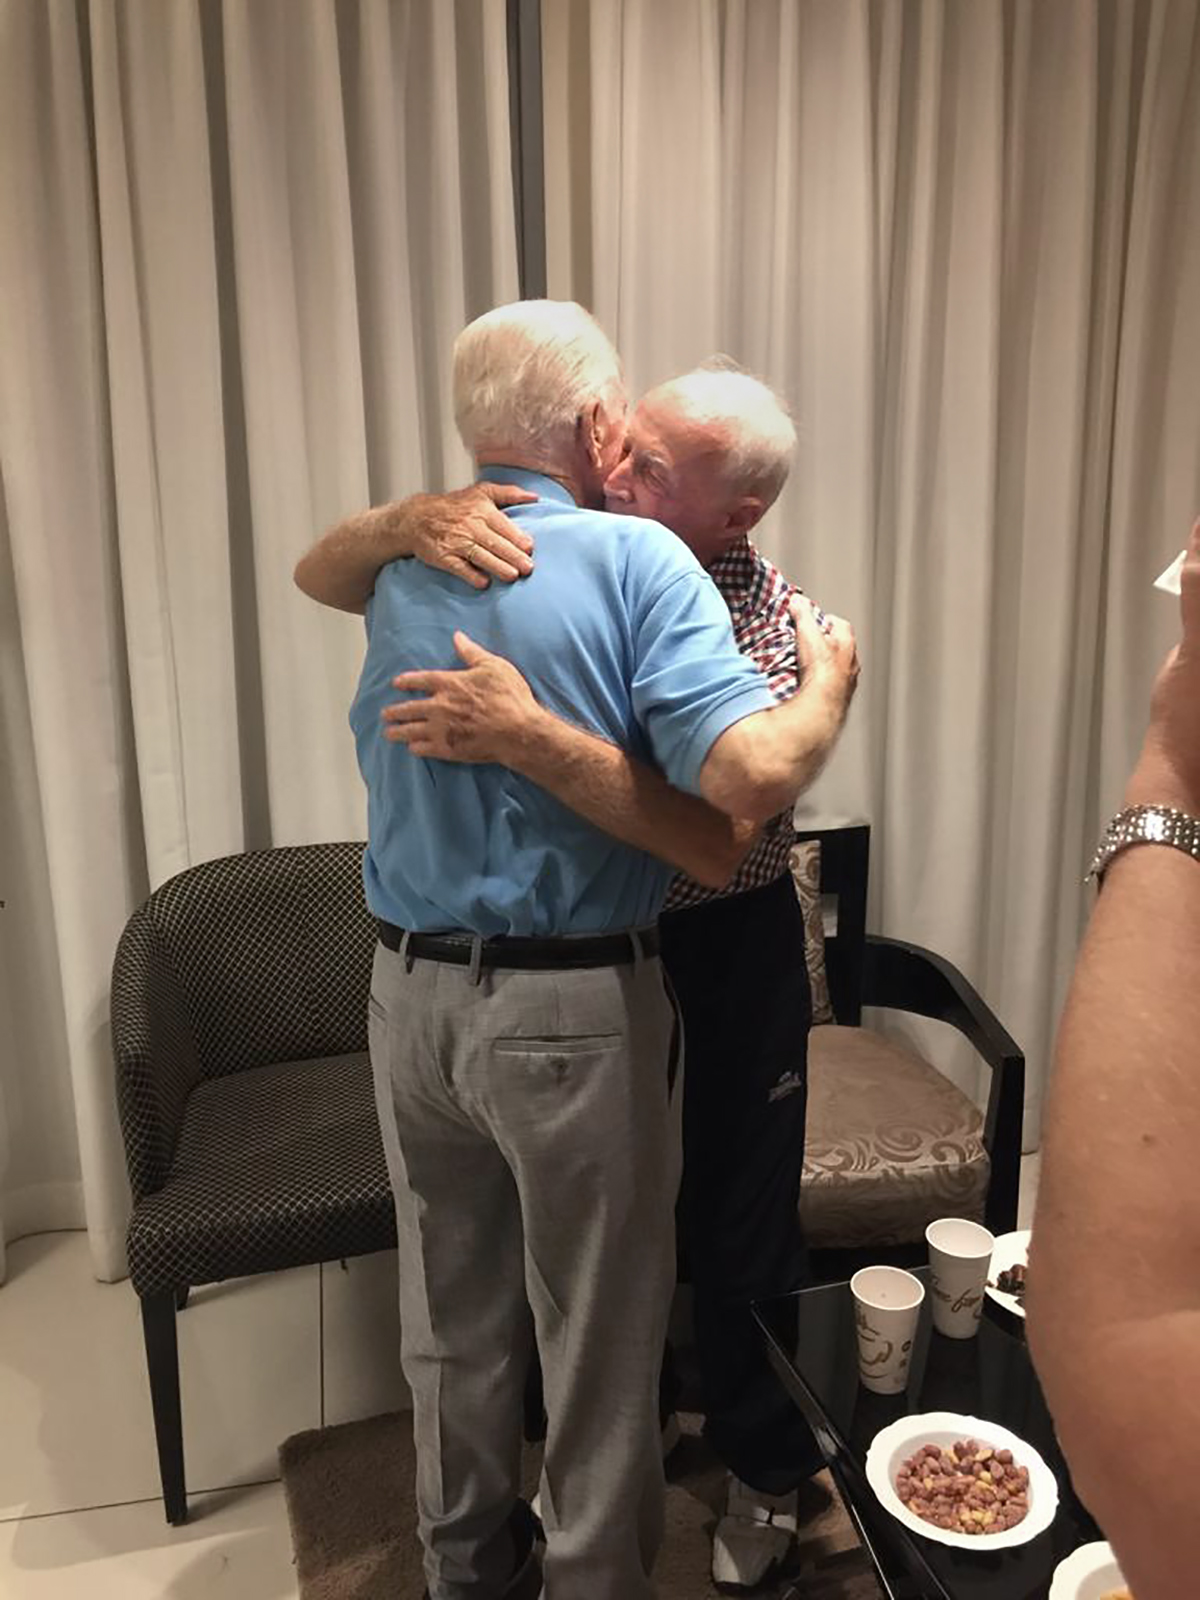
(969, 1488)
(1012, 1281)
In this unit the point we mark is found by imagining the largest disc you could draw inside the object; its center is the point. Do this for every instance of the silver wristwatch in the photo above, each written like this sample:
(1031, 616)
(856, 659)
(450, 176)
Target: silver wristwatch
(1147, 825)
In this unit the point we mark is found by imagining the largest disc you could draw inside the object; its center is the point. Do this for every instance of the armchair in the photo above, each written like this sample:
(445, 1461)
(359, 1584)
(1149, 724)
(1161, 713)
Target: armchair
(239, 1021)
(891, 1143)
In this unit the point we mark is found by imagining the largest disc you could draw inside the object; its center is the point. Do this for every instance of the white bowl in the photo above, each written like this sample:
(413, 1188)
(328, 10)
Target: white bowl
(1088, 1573)
(1010, 1250)
(895, 1444)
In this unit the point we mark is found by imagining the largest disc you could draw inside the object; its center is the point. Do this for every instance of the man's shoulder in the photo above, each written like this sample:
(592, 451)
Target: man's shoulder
(611, 527)
(750, 583)
(772, 579)
(641, 556)
(652, 549)
(771, 590)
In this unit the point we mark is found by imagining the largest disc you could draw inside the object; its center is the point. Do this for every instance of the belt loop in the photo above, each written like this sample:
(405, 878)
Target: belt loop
(404, 951)
(476, 959)
(639, 954)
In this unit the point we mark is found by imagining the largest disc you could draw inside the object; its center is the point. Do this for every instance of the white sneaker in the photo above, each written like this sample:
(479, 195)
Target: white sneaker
(755, 1534)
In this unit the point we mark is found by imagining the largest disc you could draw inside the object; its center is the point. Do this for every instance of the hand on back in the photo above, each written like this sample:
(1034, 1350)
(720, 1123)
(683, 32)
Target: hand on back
(826, 650)
(478, 712)
(466, 533)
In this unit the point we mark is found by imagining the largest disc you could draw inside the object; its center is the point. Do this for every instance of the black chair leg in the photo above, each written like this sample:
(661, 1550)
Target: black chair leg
(162, 1360)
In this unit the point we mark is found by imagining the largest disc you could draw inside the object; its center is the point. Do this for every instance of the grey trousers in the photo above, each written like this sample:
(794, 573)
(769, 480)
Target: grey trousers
(535, 1162)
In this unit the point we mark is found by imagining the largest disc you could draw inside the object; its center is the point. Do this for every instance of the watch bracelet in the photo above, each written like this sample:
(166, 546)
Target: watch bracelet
(1146, 825)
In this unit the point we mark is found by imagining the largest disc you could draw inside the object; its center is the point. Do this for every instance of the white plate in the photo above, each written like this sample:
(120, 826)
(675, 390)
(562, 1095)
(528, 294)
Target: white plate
(893, 1446)
(1088, 1573)
(1009, 1250)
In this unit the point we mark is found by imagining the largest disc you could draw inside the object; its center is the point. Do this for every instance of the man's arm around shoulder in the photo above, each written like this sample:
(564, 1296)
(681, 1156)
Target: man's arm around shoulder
(486, 712)
(464, 533)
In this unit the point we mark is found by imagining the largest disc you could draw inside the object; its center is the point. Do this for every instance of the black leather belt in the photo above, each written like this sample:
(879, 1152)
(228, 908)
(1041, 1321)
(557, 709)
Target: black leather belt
(529, 955)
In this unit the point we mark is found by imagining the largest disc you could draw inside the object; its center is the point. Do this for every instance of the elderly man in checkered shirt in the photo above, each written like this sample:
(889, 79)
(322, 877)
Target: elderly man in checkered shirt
(706, 455)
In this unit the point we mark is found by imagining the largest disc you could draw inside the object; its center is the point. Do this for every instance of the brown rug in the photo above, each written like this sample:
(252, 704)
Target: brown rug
(350, 1502)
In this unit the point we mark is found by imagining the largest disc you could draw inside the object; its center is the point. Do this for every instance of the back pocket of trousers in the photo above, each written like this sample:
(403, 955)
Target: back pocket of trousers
(577, 1044)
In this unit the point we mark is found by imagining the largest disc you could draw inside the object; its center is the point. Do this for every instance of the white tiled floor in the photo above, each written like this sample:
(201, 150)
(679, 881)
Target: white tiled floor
(260, 1359)
(80, 1515)
(236, 1547)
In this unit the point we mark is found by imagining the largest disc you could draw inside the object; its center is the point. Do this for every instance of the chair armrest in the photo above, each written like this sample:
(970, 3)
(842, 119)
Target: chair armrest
(906, 977)
(155, 1054)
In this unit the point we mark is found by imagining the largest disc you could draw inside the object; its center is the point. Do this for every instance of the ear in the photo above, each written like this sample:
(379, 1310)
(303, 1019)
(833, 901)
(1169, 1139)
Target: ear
(743, 514)
(593, 425)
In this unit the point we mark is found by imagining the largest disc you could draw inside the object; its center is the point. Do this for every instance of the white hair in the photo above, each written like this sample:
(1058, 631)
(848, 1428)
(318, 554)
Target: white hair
(525, 372)
(760, 434)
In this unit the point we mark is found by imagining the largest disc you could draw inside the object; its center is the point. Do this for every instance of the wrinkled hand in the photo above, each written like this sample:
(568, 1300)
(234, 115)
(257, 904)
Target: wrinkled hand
(826, 651)
(1168, 772)
(478, 712)
(467, 534)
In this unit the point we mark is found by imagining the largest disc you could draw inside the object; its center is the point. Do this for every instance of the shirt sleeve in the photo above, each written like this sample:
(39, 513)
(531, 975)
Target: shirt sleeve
(690, 680)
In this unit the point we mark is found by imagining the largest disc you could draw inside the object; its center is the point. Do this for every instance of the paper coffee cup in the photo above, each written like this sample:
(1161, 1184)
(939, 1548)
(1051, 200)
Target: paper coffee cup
(960, 1256)
(887, 1303)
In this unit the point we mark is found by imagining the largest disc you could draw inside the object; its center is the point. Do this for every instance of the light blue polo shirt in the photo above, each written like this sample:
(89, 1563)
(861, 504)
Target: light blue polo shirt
(619, 629)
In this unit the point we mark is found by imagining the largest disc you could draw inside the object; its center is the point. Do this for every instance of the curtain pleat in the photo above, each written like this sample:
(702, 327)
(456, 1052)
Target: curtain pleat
(236, 242)
(963, 241)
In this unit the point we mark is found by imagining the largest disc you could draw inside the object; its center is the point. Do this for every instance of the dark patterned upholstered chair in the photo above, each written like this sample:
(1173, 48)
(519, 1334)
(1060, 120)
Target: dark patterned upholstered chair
(892, 1144)
(239, 1019)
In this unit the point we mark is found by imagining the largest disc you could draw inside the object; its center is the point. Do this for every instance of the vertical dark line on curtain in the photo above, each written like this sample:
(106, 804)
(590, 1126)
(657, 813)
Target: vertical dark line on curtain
(528, 165)
(243, 582)
(1137, 21)
(131, 811)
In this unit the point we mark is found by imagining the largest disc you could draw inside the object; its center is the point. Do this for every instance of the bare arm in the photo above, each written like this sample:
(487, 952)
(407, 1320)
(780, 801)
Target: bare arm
(1114, 1298)
(486, 712)
(755, 770)
(759, 766)
(631, 801)
(465, 533)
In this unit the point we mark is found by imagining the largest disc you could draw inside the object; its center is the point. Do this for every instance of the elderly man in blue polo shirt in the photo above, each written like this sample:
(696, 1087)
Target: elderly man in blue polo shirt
(519, 1026)
(706, 454)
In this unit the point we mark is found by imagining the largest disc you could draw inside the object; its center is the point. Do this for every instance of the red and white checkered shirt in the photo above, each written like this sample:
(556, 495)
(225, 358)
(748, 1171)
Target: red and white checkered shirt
(757, 595)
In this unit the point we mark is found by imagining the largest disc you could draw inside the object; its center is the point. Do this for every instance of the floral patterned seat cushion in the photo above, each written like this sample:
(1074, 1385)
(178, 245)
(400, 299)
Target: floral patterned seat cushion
(891, 1144)
(804, 859)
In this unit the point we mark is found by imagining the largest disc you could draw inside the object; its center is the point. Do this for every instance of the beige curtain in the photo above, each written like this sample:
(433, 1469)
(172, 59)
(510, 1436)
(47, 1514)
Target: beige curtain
(236, 241)
(963, 236)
